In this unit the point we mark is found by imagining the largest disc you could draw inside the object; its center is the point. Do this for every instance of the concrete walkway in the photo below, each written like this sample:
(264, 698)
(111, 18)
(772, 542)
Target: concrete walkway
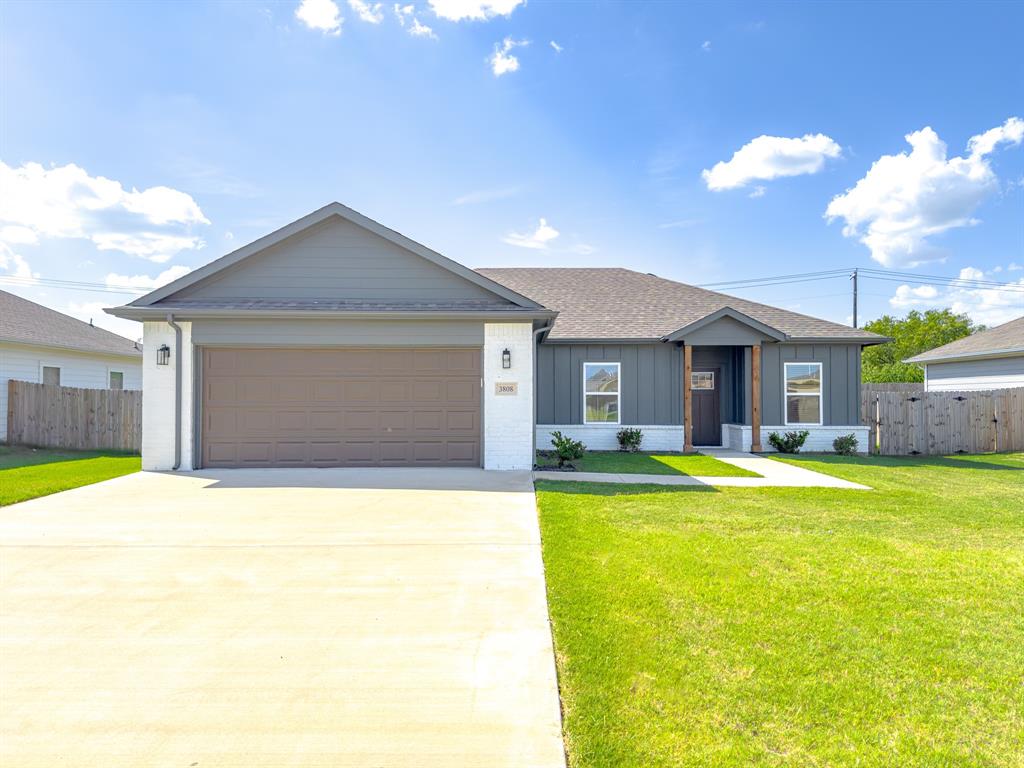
(774, 474)
(278, 618)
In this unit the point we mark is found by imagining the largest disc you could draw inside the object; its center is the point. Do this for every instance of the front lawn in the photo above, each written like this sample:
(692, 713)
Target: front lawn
(26, 473)
(780, 627)
(620, 462)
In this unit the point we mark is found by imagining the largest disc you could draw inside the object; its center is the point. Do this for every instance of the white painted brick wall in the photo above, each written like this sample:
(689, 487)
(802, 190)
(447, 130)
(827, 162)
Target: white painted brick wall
(738, 437)
(158, 398)
(601, 437)
(508, 419)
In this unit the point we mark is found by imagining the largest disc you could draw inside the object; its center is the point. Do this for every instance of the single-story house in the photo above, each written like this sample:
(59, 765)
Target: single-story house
(991, 359)
(41, 345)
(335, 341)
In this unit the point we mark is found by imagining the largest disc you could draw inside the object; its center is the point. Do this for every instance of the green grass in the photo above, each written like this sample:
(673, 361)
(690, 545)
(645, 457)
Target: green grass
(26, 473)
(793, 627)
(619, 462)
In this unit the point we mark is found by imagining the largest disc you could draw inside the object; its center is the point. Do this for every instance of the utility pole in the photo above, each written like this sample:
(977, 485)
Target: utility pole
(854, 278)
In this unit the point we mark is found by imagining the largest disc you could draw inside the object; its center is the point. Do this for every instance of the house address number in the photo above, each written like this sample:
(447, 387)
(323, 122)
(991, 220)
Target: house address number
(506, 388)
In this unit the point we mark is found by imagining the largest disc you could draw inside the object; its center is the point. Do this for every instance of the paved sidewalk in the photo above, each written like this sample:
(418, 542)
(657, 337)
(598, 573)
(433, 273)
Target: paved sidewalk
(774, 474)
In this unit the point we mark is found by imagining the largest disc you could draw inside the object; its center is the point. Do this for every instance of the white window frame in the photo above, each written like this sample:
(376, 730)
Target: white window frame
(702, 373)
(116, 370)
(60, 374)
(617, 392)
(820, 395)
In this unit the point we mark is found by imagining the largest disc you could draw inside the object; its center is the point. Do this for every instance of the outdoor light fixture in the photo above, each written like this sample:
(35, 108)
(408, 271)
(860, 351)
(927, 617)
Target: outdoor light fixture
(506, 359)
(163, 355)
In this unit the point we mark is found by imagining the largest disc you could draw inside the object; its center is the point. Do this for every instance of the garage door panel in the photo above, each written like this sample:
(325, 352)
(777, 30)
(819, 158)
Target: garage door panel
(392, 391)
(462, 421)
(341, 407)
(462, 391)
(360, 391)
(395, 421)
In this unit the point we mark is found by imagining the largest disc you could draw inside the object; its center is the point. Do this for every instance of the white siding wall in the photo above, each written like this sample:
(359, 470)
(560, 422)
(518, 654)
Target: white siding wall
(508, 419)
(158, 402)
(995, 373)
(77, 369)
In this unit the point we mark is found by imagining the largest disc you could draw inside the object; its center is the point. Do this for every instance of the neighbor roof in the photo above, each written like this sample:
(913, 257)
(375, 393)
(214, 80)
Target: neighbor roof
(25, 322)
(1003, 339)
(612, 303)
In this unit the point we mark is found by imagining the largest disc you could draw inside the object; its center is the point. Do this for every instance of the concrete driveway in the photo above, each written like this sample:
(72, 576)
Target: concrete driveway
(278, 618)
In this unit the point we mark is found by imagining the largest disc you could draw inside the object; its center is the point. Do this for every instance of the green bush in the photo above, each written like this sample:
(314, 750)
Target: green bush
(845, 445)
(629, 439)
(566, 449)
(791, 443)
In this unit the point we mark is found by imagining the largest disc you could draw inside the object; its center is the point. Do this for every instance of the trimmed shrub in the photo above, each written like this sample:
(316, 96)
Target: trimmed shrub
(845, 445)
(629, 439)
(566, 449)
(791, 443)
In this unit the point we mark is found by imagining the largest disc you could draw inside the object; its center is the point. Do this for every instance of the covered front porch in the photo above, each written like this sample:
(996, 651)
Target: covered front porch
(721, 379)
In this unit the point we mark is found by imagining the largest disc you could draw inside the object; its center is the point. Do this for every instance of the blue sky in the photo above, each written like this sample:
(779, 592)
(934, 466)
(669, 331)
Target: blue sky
(704, 143)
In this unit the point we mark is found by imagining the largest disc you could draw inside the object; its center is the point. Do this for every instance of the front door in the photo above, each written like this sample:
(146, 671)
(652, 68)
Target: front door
(707, 412)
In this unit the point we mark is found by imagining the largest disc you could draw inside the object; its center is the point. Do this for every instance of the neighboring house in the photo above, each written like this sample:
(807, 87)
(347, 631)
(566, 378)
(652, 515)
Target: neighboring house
(40, 345)
(992, 359)
(335, 341)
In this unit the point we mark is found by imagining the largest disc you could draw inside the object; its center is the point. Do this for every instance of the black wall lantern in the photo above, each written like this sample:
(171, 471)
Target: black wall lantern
(163, 355)
(506, 359)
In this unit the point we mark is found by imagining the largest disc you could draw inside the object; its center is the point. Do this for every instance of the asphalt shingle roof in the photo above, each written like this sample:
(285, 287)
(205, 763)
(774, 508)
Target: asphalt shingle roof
(25, 322)
(338, 305)
(1008, 337)
(603, 303)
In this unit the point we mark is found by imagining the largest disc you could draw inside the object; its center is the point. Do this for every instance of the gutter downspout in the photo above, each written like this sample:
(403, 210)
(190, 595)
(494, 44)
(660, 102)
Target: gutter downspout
(533, 417)
(177, 390)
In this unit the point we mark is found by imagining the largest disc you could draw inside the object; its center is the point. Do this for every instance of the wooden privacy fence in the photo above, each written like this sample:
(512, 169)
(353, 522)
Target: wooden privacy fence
(913, 422)
(67, 417)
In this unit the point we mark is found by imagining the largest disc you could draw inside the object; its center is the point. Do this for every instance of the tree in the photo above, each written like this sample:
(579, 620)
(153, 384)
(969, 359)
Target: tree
(917, 332)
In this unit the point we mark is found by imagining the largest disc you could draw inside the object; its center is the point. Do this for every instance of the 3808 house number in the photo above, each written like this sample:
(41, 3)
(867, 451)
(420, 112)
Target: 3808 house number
(506, 388)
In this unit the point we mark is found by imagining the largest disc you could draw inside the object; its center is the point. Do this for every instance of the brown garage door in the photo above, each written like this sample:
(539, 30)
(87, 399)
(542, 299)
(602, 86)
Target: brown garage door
(340, 407)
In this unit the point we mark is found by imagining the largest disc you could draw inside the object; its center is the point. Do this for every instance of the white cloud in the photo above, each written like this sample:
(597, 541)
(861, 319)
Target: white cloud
(757, 191)
(145, 283)
(538, 239)
(770, 157)
(990, 306)
(18, 235)
(322, 15)
(475, 10)
(705, 46)
(66, 202)
(485, 195)
(502, 61)
(15, 266)
(372, 14)
(421, 30)
(905, 199)
(556, 47)
(1013, 267)
(406, 13)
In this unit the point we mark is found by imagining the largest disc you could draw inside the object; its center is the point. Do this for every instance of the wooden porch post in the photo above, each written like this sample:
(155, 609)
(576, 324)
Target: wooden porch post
(687, 399)
(755, 398)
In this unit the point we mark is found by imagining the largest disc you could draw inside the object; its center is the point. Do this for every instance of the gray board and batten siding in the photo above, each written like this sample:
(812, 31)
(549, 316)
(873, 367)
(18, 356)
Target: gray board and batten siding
(651, 383)
(338, 258)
